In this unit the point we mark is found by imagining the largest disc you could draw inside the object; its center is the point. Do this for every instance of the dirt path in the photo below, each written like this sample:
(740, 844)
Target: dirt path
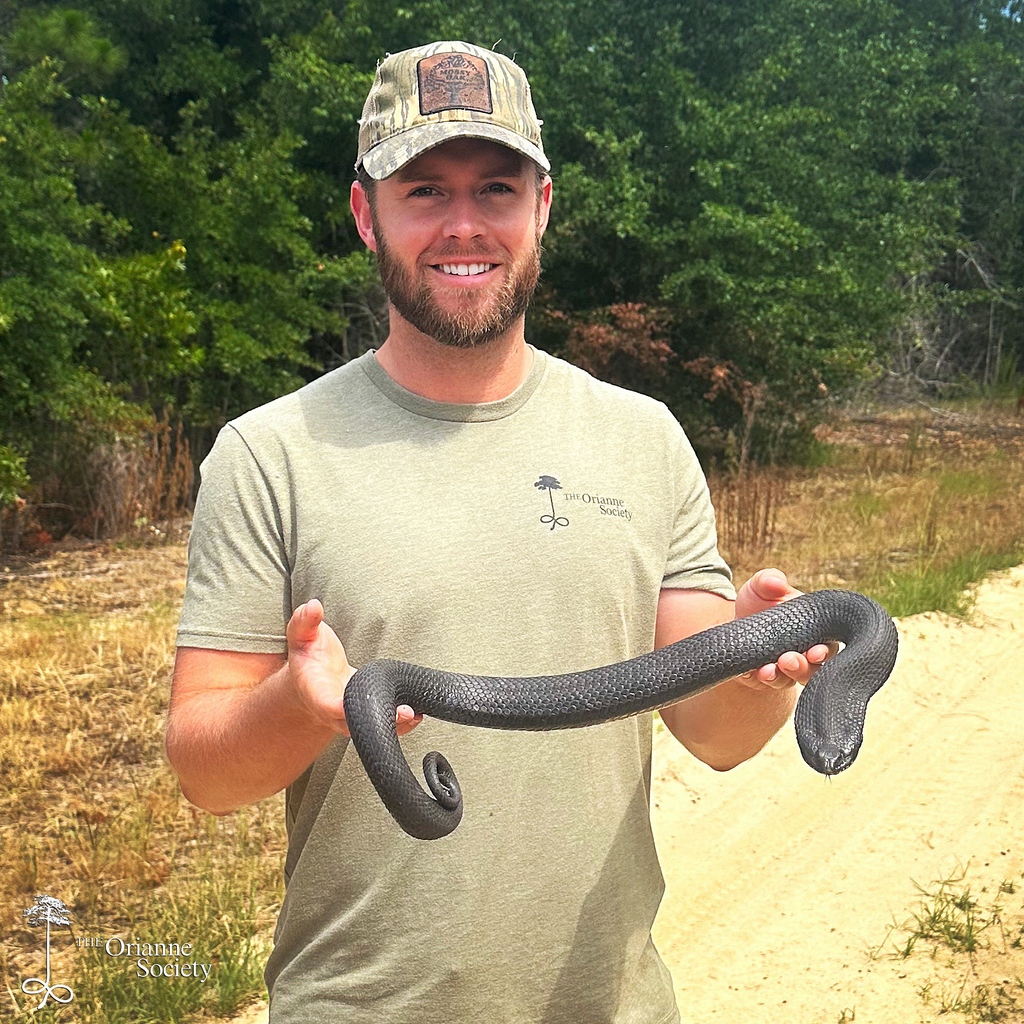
(780, 882)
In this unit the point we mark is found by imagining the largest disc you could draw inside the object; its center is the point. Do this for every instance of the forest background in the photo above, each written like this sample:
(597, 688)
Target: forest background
(758, 205)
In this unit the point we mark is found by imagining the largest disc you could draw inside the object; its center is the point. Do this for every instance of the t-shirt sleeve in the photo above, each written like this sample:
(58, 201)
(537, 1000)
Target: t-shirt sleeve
(694, 562)
(238, 592)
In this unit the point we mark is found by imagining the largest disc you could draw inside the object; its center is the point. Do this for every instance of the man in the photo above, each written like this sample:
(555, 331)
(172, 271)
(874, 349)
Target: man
(460, 500)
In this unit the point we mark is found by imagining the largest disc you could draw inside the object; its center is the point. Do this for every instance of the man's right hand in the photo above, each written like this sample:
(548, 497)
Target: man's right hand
(241, 727)
(316, 663)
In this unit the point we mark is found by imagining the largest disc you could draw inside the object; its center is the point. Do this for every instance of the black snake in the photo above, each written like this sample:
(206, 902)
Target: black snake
(829, 714)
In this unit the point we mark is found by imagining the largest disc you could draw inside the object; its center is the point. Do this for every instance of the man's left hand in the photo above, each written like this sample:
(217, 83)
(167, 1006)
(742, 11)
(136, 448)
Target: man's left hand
(765, 589)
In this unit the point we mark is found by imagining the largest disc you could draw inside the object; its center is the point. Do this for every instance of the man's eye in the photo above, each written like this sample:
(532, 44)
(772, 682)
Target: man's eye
(499, 187)
(423, 190)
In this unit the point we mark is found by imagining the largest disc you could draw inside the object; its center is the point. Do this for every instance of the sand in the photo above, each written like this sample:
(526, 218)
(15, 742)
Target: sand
(782, 887)
(780, 883)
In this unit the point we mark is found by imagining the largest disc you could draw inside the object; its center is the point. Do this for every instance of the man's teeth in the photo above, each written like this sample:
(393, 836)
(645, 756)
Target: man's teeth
(466, 269)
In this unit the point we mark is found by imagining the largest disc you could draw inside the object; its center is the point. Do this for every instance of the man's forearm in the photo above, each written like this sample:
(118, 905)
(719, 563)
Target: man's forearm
(232, 747)
(731, 722)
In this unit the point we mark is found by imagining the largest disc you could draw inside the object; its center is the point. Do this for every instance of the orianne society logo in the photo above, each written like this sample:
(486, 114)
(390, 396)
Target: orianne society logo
(51, 911)
(151, 959)
(605, 506)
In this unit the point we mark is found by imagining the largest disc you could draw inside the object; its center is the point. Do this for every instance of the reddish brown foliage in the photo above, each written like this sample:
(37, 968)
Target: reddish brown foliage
(726, 379)
(623, 346)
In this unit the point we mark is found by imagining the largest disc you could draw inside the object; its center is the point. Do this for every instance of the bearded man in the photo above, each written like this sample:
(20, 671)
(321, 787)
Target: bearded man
(398, 508)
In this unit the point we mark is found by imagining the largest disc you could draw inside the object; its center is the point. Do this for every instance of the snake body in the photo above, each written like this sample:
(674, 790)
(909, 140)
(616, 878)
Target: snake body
(829, 715)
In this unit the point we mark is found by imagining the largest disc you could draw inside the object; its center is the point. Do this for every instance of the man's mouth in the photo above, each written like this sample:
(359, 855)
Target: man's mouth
(464, 269)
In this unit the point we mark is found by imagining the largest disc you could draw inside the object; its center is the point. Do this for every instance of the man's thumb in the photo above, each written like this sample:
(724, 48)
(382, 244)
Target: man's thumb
(304, 622)
(769, 584)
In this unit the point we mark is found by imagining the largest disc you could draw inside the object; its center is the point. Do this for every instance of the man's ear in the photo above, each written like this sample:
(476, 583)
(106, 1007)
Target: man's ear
(544, 211)
(360, 203)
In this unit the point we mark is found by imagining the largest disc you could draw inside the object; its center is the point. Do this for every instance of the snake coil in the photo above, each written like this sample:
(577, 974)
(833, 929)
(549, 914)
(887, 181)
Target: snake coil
(829, 715)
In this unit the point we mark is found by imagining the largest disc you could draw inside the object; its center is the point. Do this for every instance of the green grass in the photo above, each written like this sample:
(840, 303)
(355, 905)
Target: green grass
(975, 939)
(867, 505)
(931, 587)
(213, 910)
(220, 906)
(971, 483)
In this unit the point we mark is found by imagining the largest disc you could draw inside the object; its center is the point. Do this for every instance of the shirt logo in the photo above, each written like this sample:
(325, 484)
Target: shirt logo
(454, 81)
(550, 484)
(600, 504)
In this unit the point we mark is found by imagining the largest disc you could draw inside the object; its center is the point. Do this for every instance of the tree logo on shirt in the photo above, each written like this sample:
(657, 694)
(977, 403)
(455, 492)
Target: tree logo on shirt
(603, 504)
(550, 484)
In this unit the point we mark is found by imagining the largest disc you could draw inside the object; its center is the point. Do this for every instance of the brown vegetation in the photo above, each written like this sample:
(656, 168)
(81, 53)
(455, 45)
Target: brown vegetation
(89, 810)
(912, 490)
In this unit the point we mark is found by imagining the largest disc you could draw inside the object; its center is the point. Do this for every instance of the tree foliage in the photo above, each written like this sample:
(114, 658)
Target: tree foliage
(788, 195)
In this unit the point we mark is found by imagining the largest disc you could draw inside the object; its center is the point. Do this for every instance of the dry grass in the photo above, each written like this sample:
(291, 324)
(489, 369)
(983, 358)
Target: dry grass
(92, 815)
(905, 500)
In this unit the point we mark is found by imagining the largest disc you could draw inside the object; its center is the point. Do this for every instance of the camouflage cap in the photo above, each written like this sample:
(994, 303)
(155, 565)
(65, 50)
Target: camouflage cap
(431, 94)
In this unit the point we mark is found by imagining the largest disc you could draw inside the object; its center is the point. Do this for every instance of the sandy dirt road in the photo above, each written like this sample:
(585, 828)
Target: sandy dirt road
(779, 882)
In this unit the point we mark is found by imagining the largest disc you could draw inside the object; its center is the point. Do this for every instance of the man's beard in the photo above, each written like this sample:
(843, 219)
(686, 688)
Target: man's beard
(466, 328)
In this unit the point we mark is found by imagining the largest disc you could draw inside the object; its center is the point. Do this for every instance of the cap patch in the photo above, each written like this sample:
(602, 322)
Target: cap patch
(454, 81)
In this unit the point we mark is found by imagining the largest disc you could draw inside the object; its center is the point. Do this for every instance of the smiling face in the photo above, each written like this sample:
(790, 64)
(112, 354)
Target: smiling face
(457, 235)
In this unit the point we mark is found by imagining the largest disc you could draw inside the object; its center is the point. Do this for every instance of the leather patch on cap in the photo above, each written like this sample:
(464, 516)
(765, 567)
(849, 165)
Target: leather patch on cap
(454, 81)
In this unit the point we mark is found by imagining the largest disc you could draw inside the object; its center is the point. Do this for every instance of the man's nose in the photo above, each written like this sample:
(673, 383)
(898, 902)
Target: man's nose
(463, 218)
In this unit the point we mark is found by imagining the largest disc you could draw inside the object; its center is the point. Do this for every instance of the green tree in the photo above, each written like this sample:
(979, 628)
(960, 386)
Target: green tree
(787, 196)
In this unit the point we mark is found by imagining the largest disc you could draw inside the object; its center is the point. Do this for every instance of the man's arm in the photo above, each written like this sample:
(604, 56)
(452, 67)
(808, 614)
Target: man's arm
(241, 727)
(731, 722)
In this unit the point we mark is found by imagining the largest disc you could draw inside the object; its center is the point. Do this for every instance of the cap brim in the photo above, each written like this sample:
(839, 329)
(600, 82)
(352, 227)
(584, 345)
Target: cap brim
(393, 154)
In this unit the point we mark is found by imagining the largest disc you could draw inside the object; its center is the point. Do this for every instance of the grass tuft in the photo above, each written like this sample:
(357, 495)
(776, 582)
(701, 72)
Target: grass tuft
(974, 939)
(940, 587)
(212, 906)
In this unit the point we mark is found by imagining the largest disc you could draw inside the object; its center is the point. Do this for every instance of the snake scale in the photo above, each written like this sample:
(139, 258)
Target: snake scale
(829, 715)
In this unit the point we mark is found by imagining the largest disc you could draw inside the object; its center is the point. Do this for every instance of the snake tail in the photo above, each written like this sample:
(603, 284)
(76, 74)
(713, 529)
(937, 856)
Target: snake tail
(372, 697)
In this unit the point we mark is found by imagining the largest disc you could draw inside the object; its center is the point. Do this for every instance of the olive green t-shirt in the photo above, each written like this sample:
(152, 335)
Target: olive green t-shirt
(526, 536)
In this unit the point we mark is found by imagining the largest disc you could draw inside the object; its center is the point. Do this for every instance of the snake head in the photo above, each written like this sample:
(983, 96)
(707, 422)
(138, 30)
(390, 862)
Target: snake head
(829, 724)
(828, 758)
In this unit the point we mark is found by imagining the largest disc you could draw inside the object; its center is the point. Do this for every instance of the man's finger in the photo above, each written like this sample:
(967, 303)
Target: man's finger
(792, 663)
(818, 654)
(406, 718)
